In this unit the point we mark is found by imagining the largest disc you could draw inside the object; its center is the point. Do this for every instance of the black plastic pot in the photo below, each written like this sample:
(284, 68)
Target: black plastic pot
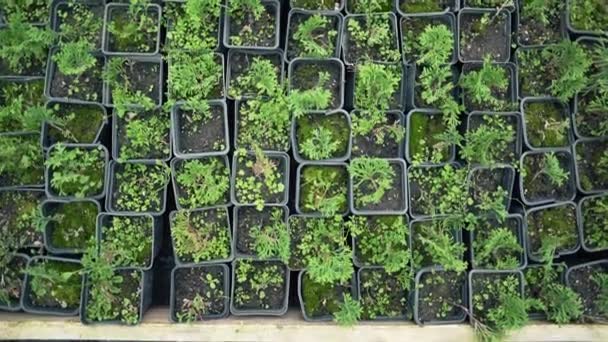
(564, 109)
(535, 314)
(47, 127)
(181, 148)
(356, 250)
(268, 147)
(145, 296)
(155, 60)
(328, 64)
(294, 139)
(456, 235)
(562, 29)
(284, 165)
(499, 175)
(32, 236)
(4, 16)
(226, 286)
(497, 274)
(37, 166)
(325, 318)
(558, 252)
(402, 208)
(456, 318)
(120, 138)
(48, 173)
(294, 13)
(339, 5)
(183, 263)
(30, 307)
(105, 43)
(275, 7)
(259, 312)
(311, 213)
(13, 306)
(104, 220)
(587, 287)
(237, 214)
(398, 101)
(219, 95)
(175, 163)
(449, 6)
(243, 58)
(432, 113)
(349, 8)
(97, 7)
(569, 187)
(519, 233)
(581, 222)
(397, 151)
(48, 210)
(345, 35)
(392, 278)
(511, 96)
(443, 18)
(413, 91)
(581, 32)
(475, 119)
(467, 5)
(504, 39)
(588, 179)
(413, 189)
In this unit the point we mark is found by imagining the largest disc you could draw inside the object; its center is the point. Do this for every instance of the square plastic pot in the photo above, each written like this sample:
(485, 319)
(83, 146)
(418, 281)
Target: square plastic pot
(457, 235)
(178, 148)
(446, 18)
(571, 183)
(349, 8)
(602, 264)
(107, 90)
(338, 8)
(398, 102)
(47, 209)
(578, 168)
(48, 174)
(397, 117)
(235, 227)
(37, 196)
(105, 42)
(35, 137)
(523, 261)
(512, 92)
(174, 285)
(399, 318)
(26, 303)
(16, 306)
(456, 319)
(145, 297)
(412, 87)
(454, 6)
(257, 312)
(400, 163)
(479, 12)
(565, 113)
(235, 137)
(563, 31)
(429, 112)
(360, 264)
(169, 27)
(466, 4)
(36, 72)
(411, 188)
(518, 127)
(575, 31)
(300, 210)
(330, 63)
(182, 263)
(219, 57)
(276, 5)
(581, 223)
(104, 220)
(474, 273)
(98, 5)
(233, 55)
(45, 138)
(345, 46)
(285, 171)
(304, 13)
(294, 140)
(561, 269)
(354, 295)
(507, 180)
(558, 253)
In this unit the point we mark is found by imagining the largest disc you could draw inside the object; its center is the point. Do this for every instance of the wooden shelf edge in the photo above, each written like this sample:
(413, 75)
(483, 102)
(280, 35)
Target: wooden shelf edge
(16, 326)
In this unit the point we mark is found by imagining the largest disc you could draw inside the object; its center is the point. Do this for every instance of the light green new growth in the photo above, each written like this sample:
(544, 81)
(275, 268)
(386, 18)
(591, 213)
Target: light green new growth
(372, 178)
(554, 171)
(203, 182)
(75, 58)
(481, 85)
(272, 240)
(349, 311)
(321, 145)
(201, 235)
(23, 46)
(310, 34)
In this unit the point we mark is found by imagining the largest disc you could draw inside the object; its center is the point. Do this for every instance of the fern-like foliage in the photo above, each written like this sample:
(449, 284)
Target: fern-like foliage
(316, 98)
(553, 169)
(321, 145)
(272, 240)
(203, 182)
(311, 34)
(487, 143)
(75, 58)
(376, 85)
(573, 64)
(499, 250)
(349, 311)
(372, 178)
(23, 46)
(481, 84)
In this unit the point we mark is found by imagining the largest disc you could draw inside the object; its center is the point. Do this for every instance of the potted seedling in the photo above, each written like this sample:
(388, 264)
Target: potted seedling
(199, 293)
(78, 123)
(12, 268)
(489, 86)
(260, 178)
(593, 218)
(379, 86)
(259, 287)
(23, 48)
(547, 177)
(436, 189)
(252, 24)
(318, 137)
(484, 34)
(413, 26)
(590, 282)
(193, 25)
(262, 234)
(377, 133)
(35, 12)
(195, 77)
(322, 189)
(52, 286)
(22, 106)
(318, 5)
(591, 161)
(383, 295)
(199, 131)
(540, 22)
(250, 72)
(315, 35)
(586, 17)
(133, 81)
(201, 236)
(546, 123)
(425, 143)
(132, 29)
(438, 242)
(20, 208)
(559, 70)
(316, 85)
(21, 160)
(263, 122)
(78, 20)
(137, 187)
(372, 37)
(439, 296)
(201, 183)
(405, 7)
(335, 301)
(552, 231)
(490, 189)
(492, 139)
(140, 134)
(76, 171)
(69, 224)
(498, 244)
(377, 186)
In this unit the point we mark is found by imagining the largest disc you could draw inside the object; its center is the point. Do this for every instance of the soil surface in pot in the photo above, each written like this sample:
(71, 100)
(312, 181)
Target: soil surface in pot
(585, 282)
(87, 86)
(252, 294)
(12, 281)
(144, 41)
(589, 121)
(412, 27)
(252, 172)
(20, 209)
(191, 283)
(554, 222)
(201, 235)
(595, 222)
(547, 124)
(316, 4)
(484, 35)
(249, 31)
(249, 218)
(371, 145)
(322, 300)
(142, 77)
(538, 186)
(437, 292)
(81, 17)
(201, 136)
(308, 76)
(382, 295)
(486, 288)
(486, 182)
(324, 35)
(592, 160)
(241, 65)
(393, 198)
(72, 224)
(138, 187)
(533, 31)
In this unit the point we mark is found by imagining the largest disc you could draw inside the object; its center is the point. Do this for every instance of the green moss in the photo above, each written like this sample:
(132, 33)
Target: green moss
(76, 123)
(319, 299)
(554, 222)
(21, 212)
(424, 6)
(73, 224)
(589, 15)
(337, 124)
(56, 284)
(546, 124)
(363, 6)
(22, 160)
(423, 140)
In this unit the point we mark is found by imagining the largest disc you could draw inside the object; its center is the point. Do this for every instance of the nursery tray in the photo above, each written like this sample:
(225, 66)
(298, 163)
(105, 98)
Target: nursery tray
(291, 327)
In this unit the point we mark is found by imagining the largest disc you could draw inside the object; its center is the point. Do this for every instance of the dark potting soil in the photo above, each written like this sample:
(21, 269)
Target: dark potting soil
(510, 154)
(582, 281)
(536, 282)
(240, 64)
(129, 131)
(590, 122)
(592, 168)
(37, 69)
(66, 16)
(412, 27)
(537, 185)
(82, 123)
(12, 280)
(385, 51)
(393, 198)
(382, 294)
(145, 41)
(437, 294)
(114, 228)
(247, 30)
(143, 77)
(201, 136)
(138, 187)
(85, 87)
(427, 230)
(555, 222)
(19, 209)
(486, 181)
(478, 40)
(370, 146)
(419, 203)
(322, 300)
(503, 96)
(486, 288)
(426, 6)
(305, 76)
(535, 72)
(532, 31)
(248, 218)
(274, 294)
(248, 172)
(500, 258)
(320, 35)
(192, 282)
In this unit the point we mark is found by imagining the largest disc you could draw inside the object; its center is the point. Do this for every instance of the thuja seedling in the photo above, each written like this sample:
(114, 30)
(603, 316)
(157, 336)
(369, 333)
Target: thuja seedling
(55, 284)
(272, 240)
(201, 236)
(315, 36)
(78, 22)
(259, 178)
(21, 160)
(264, 122)
(349, 311)
(374, 38)
(202, 182)
(496, 247)
(320, 144)
(482, 85)
(489, 143)
(139, 187)
(244, 14)
(24, 47)
(142, 134)
(193, 25)
(128, 240)
(434, 243)
(134, 29)
(376, 123)
(371, 179)
(317, 97)
(588, 15)
(76, 171)
(194, 78)
(22, 106)
(595, 222)
(376, 85)
(261, 79)
(324, 189)
(124, 93)
(553, 170)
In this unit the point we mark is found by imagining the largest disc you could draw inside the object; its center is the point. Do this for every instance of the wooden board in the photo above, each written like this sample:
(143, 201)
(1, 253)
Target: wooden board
(290, 328)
